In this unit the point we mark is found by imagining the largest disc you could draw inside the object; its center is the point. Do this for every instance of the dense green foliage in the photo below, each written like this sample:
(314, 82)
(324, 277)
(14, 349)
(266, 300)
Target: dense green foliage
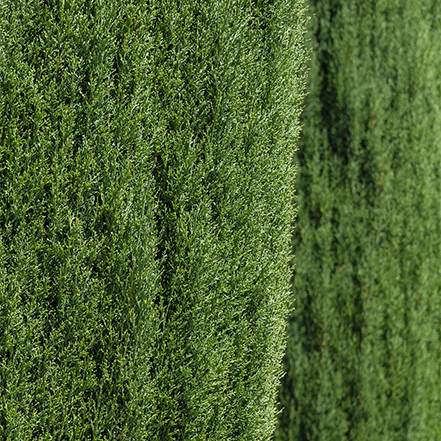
(363, 358)
(146, 189)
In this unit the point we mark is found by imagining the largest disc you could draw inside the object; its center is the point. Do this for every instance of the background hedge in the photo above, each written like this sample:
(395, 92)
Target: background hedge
(146, 188)
(363, 357)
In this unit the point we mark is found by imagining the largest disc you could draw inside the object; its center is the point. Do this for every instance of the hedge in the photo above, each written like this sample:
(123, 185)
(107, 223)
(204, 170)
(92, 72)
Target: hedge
(146, 206)
(363, 358)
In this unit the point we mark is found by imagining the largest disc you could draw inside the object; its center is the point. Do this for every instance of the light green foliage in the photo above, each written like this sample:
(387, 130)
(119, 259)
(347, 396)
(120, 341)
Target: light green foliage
(363, 355)
(146, 189)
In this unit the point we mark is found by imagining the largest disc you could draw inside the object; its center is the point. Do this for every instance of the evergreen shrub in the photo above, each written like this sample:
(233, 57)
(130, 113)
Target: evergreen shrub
(146, 188)
(363, 358)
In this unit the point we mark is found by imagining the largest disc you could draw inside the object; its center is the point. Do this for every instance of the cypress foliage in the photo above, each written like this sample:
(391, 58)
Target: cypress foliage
(146, 187)
(363, 358)
(79, 272)
(225, 189)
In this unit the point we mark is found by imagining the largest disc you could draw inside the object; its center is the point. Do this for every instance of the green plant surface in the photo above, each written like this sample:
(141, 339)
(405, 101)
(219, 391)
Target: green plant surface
(363, 357)
(146, 207)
